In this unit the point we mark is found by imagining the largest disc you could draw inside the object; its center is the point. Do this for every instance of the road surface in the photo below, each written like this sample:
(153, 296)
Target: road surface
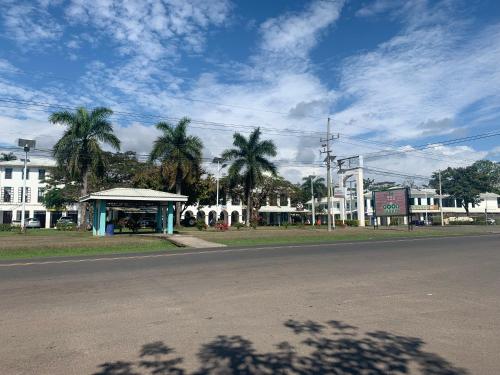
(406, 306)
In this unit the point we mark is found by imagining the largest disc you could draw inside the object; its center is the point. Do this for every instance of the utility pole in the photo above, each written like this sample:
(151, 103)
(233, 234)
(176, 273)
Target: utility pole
(441, 200)
(328, 151)
(312, 199)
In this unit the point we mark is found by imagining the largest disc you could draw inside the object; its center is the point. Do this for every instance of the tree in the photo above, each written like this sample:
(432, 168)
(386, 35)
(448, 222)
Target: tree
(179, 155)
(119, 170)
(319, 187)
(249, 162)
(7, 157)
(79, 149)
(466, 183)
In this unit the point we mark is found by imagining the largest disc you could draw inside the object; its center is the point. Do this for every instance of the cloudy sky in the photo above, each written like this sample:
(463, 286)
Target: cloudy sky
(392, 74)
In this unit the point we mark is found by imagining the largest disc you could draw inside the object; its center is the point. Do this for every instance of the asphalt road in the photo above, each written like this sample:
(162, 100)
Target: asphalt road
(398, 306)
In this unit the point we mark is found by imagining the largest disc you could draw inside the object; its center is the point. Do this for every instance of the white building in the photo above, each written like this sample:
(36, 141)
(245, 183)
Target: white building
(11, 185)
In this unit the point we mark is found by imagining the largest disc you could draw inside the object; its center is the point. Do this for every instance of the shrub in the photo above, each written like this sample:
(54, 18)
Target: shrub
(66, 226)
(221, 225)
(5, 227)
(352, 223)
(200, 225)
(239, 225)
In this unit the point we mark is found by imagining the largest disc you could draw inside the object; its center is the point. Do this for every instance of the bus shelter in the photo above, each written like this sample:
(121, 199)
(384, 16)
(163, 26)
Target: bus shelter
(128, 197)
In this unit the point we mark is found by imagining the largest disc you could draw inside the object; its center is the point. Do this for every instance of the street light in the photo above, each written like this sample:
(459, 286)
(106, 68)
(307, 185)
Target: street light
(26, 144)
(219, 168)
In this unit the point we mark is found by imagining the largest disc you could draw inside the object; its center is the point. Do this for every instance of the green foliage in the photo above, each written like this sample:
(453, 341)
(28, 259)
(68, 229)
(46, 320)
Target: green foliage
(200, 225)
(319, 188)
(249, 162)
(352, 223)
(466, 183)
(180, 158)
(5, 227)
(7, 157)
(148, 177)
(65, 226)
(79, 149)
(238, 225)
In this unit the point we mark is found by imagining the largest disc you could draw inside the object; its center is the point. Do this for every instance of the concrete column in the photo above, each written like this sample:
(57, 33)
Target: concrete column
(170, 218)
(102, 218)
(229, 219)
(289, 202)
(47, 219)
(405, 220)
(164, 217)
(94, 218)
(360, 194)
(388, 220)
(278, 200)
(206, 217)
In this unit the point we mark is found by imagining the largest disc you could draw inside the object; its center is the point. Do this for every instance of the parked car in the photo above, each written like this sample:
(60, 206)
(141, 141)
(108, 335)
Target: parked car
(189, 221)
(491, 221)
(65, 220)
(33, 222)
(16, 223)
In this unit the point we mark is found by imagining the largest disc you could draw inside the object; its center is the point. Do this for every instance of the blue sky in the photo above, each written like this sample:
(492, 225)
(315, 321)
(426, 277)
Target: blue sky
(386, 71)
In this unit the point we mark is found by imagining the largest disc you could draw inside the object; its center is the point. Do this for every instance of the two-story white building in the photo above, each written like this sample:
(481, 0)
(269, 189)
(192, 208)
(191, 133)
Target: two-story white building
(11, 186)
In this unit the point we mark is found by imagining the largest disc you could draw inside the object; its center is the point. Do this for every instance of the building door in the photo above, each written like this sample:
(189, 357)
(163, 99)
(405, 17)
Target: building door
(7, 217)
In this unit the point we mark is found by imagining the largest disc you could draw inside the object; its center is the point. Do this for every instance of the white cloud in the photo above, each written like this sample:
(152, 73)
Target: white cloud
(377, 7)
(153, 29)
(296, 34)
(29, 25)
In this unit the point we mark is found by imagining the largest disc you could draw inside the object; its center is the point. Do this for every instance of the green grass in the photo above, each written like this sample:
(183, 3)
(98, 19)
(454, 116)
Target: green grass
(51, 243)
(307, 235)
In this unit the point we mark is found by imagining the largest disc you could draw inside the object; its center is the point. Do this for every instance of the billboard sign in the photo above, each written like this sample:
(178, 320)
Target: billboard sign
(348, 164)
(391, 202)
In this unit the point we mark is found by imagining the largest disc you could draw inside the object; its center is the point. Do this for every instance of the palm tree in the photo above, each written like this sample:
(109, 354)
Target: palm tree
(180, 156)
(249, 163)
(7, 157)
(79, 149)
(319, 186)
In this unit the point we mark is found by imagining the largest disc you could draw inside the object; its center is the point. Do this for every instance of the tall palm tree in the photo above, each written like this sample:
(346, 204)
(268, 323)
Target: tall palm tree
(249, 162)
(319, 186)
(79, 149)
(180, 156)
(7, 157)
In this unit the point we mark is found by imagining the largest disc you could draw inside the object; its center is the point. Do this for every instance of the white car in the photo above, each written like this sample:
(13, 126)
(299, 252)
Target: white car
(32, 223)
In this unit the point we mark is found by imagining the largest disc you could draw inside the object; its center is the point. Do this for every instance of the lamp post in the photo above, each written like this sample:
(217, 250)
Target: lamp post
(219, 168)
(441, 200)
(26, 144)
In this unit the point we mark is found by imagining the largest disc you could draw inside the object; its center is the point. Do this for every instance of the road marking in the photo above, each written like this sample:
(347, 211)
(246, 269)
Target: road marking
(88, 260)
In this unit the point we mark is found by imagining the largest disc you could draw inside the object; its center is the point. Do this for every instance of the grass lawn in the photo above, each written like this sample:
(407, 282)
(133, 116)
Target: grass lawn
(290, 235)
(50, 243)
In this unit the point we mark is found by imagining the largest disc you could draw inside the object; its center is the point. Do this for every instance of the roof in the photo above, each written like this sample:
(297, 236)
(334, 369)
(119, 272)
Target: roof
(129, 194)
(33, 162)
(278, 209)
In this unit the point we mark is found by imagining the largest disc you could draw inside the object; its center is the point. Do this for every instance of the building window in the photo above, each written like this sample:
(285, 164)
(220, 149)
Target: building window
(41, 174)
(7, 194)
(448, 202)
(40, 195)
(27, 195)
(8, 173)
(27, 173)
(19, 213)
(428, 201)
(498, 202)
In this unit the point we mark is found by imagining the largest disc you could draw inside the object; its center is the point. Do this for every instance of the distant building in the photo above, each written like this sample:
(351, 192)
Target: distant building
(11, 185)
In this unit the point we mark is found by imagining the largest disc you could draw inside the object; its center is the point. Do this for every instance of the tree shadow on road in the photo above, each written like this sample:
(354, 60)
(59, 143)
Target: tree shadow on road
(332, 347)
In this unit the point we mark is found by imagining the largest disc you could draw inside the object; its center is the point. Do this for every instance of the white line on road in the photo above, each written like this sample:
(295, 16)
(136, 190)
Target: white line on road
(232, 250)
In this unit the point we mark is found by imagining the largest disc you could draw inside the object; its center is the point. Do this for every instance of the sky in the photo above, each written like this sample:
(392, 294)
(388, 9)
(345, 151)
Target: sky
(391, 75)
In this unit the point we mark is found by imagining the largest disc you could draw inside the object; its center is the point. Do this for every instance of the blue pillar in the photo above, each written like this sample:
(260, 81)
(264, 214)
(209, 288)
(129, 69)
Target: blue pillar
(170, 220)
(94, 218)
(158, 219)
(102, 218)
